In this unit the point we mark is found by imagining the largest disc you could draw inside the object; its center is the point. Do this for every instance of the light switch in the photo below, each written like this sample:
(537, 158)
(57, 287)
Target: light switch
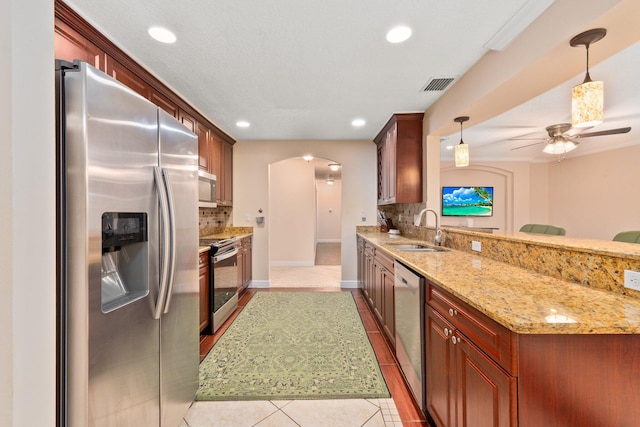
(363, 216)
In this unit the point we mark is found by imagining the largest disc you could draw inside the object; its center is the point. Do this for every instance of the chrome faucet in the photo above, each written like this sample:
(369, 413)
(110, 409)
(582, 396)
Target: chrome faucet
(438, 239)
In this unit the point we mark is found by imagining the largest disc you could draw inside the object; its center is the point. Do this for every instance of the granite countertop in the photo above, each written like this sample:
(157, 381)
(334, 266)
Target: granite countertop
(225, 233)
(523, 301)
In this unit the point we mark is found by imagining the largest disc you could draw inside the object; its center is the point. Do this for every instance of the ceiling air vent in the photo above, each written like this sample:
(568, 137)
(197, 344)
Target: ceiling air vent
(437, 84)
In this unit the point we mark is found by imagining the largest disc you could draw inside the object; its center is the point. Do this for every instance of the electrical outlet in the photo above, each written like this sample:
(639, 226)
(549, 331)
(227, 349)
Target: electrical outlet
(632, 280)
(363, 216)
(476, 246)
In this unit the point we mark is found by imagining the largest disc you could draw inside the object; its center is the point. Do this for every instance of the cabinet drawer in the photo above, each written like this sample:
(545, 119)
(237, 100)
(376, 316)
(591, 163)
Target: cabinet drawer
(384, 261)
(494, 339)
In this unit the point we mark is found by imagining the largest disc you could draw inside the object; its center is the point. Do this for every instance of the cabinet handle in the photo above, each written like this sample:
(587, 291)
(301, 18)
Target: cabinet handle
(454, 339)
(446, 332)
(453, 312)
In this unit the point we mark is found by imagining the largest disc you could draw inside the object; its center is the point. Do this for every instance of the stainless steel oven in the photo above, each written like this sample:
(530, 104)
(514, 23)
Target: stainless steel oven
(223, 279)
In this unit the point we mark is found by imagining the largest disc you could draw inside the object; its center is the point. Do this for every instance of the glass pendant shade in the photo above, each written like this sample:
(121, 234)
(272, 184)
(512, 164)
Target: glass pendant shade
(462, 154)
(587, 104)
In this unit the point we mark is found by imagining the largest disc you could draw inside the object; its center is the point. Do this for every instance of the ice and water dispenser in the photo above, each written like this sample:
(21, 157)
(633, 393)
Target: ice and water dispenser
(125, 259)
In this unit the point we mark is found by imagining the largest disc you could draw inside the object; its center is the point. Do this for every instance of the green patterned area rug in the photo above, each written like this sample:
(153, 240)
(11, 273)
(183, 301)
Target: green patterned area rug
(293, 345)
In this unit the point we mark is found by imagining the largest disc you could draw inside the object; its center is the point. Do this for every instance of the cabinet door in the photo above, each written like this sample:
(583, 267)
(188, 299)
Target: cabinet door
(188, 121)
(369, 278)
(69, 45)
(227, 174)
(241, 261)
(203, 147)
(248, 263)
(381, 173)
(204, 291)
(439, 372)
(215, 157)
(484, 390)
(390, 161)
(388, 306)
(126, 77)
(165, 103)
(377, 291)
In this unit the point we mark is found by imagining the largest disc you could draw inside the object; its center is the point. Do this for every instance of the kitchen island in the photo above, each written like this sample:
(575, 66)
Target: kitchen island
(511, 346)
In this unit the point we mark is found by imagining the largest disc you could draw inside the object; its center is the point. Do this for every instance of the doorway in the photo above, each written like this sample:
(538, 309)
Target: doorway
(305, 229)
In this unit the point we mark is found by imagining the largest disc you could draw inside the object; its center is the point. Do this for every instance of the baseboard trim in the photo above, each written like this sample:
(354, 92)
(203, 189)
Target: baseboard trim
(349, 284)
(329, 241)
(260, 284)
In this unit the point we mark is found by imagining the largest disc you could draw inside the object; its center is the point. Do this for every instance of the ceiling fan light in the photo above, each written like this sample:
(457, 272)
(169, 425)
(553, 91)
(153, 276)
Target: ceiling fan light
(561, 146)
(587, 104)
(462, 155)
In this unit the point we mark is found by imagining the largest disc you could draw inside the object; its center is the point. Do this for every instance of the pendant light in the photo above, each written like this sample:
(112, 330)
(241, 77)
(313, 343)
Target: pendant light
(462, 149)
(587, 98)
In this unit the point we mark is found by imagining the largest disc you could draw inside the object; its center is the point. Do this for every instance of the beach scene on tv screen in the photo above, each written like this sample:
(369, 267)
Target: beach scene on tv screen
(467, 201)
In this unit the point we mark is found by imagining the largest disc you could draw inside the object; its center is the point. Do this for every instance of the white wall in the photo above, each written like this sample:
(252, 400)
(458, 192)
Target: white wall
(292, 207)
(329, 210)
(596, 196)
(251, 161)
(27, 216)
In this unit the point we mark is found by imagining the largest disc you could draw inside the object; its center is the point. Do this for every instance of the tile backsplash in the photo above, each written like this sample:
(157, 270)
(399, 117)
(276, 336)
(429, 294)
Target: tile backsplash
(222, 216)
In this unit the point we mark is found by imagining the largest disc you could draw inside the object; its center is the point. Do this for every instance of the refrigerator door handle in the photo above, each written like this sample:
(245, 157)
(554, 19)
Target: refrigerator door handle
(172, 238)
(165, 244)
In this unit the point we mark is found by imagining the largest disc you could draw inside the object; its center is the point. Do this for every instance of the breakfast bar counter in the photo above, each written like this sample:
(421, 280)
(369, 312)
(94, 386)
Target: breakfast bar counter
(523, 301)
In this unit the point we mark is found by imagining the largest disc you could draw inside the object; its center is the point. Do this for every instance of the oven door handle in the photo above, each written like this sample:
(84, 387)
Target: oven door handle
(225, 255)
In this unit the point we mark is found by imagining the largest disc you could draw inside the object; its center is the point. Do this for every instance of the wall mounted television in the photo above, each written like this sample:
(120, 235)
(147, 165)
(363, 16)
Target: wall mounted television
(467, 201)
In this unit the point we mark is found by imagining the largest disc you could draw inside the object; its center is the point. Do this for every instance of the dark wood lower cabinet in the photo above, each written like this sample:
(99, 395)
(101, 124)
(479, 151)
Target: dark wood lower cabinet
(375, 273)
(245, 256)
(205, 296)
(579, 380)
(464, 386)
(479, 373)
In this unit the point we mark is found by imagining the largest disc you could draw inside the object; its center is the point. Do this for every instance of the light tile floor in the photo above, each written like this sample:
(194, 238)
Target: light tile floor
(303, 413)
(292, 413)
(318, 276)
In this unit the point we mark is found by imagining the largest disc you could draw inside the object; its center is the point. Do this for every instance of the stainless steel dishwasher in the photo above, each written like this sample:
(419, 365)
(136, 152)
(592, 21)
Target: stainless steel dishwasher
(409, 313)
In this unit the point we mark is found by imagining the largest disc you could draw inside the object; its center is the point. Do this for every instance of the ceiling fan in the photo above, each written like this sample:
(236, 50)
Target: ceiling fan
(561, 143)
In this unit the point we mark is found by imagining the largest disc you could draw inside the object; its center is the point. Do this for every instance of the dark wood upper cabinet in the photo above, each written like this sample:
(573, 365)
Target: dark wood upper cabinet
(203, 147)
(399, 145)
(75, 38)
(70, 45)
(165, 103)
(215, 154)
(127, 78)
(225, 180)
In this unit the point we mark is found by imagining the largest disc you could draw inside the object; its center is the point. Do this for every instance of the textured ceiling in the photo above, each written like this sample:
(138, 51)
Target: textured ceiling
(305, 69)
(302, 69)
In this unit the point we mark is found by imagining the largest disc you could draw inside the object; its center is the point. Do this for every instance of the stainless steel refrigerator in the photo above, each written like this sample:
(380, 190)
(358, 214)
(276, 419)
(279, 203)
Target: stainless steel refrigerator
(128, 335)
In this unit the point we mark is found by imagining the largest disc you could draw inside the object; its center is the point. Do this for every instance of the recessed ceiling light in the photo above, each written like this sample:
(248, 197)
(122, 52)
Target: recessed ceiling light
(308, 157)
(398, 34)
(243, 124)
(334, 166)
(358, 123)
(162, 35)
(449, 147)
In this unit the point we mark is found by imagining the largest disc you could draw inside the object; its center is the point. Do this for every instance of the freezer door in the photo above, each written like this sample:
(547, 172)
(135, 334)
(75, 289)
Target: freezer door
(179, 342)
(112, 340)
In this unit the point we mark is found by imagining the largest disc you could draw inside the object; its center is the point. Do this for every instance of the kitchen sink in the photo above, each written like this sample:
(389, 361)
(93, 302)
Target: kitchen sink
(417, 247)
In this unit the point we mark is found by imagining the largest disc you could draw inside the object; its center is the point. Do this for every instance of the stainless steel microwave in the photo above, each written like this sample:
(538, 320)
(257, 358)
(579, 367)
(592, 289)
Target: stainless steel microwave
(206, 190)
